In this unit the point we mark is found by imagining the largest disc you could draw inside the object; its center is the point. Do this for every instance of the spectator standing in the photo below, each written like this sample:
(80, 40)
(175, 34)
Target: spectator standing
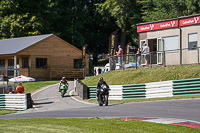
(99, 70)
(20, 88)
(146, 53)
(120, 56)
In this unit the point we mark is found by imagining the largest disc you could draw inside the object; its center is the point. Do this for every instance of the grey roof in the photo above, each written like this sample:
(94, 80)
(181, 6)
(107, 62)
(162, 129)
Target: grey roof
(14, 45)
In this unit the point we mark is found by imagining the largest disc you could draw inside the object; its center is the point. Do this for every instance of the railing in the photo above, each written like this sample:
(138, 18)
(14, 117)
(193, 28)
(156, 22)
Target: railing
(15, 101)
(157, 58)
(9, 71)
(152, 90)
(56, 73)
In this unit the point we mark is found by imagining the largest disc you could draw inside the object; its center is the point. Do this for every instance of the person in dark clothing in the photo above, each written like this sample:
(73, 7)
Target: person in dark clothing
(99, 70)
(63, 81)
(99, 83)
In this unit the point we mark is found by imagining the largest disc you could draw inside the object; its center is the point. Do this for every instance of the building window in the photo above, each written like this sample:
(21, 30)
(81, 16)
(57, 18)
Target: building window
(25, 62)
(170, 43)
(41, 62)
(2, 63)
(78, 63)
(192, 41)
(11, 62)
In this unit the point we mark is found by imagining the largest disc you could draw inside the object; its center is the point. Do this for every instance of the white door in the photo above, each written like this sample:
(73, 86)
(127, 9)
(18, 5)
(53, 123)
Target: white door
(160, 49)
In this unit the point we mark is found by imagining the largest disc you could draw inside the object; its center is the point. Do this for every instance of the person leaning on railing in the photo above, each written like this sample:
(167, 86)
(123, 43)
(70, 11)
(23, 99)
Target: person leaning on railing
(20, 88)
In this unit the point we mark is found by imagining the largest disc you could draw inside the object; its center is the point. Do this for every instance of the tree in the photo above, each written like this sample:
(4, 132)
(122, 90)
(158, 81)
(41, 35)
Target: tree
(126, 14)
(154, 10)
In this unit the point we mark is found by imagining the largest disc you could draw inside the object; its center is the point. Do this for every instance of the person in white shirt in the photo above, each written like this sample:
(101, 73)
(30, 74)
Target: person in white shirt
(146, 52)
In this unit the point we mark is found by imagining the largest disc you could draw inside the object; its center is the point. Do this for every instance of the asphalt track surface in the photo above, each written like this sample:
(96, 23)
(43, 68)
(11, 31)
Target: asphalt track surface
(49, 104)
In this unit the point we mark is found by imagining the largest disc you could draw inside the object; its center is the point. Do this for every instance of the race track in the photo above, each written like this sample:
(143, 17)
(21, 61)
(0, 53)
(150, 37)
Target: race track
(49, 104)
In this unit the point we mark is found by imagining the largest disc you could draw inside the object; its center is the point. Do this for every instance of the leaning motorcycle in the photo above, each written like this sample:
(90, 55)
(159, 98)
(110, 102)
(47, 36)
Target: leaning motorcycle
(63, 89)
(103, 95)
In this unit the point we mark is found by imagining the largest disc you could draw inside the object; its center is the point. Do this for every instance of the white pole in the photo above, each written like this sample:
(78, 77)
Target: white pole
(15, 65)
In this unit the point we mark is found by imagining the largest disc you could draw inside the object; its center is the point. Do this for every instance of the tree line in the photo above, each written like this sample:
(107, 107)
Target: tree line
(89, 22)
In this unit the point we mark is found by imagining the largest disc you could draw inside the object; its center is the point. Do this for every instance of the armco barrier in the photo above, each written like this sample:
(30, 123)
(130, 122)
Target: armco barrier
(159, 89)
(186, 87)
(152, 90)
(115, 92)
(15, 101)
(134, 91)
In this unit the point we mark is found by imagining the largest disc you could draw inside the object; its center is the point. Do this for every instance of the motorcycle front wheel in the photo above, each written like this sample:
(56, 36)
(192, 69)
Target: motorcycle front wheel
(62, 93)
(106, 100)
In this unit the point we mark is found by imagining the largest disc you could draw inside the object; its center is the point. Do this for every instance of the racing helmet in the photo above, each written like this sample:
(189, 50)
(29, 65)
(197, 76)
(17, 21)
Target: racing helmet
(101, 79)
(63, 78)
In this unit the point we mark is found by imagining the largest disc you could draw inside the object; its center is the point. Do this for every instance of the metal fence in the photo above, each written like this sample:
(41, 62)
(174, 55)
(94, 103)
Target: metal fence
(157, 58)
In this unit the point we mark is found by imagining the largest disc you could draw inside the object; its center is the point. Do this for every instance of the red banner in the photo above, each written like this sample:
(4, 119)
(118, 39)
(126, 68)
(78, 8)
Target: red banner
(158, 26)
(189, 21)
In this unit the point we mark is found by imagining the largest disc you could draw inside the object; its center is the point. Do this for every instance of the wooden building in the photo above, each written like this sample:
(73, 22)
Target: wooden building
(43, 57)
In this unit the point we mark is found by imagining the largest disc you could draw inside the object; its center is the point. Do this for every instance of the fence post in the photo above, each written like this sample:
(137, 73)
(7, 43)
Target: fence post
(164, 63)
(135, 61)
(150, 60)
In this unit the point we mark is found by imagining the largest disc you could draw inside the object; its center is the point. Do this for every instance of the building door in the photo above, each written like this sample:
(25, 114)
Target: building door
(160, 50)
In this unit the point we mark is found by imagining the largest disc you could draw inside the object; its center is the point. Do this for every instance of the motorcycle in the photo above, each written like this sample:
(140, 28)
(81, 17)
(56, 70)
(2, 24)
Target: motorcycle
(103, 95)
(63, 89)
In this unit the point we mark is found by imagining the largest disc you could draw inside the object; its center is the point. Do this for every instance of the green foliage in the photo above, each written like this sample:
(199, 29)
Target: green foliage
(154, 10)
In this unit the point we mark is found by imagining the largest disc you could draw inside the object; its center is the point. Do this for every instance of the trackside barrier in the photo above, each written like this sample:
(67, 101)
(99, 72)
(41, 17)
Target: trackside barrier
(159, 89)
(186, 87)
(115, 92)
(152, 90)
(15, 101)
(134, 91)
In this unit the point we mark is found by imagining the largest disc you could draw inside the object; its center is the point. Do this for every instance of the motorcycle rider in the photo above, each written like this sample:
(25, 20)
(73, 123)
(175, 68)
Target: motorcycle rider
(99, 83)
(63, 81)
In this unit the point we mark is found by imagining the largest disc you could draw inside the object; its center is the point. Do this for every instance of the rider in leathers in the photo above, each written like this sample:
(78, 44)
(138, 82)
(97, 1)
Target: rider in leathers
(100, 82)
(63, 81)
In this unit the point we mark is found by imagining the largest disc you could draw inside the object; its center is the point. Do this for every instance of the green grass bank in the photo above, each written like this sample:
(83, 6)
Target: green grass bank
(146, 75)
(33, 86)
(91, 125)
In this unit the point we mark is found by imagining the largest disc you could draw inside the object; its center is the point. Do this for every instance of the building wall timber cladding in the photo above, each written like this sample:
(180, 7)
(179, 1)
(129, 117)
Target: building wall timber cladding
(59, 54)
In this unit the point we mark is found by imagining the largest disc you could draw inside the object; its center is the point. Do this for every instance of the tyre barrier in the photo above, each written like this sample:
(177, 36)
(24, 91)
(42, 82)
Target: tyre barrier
(15, 101)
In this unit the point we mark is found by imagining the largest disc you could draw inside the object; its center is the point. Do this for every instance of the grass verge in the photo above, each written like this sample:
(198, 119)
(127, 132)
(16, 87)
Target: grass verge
(146, 75)
(4, 112)
(33, 86)
(89, 125)
(142, 100)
